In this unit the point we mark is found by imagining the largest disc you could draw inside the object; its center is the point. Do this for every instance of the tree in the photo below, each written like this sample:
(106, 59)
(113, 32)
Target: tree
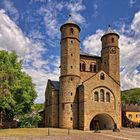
(17, 92)
(131, 96)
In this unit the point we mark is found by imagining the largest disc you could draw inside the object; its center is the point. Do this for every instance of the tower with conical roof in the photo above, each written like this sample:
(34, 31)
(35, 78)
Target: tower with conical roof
(70, 76)
(110, 54)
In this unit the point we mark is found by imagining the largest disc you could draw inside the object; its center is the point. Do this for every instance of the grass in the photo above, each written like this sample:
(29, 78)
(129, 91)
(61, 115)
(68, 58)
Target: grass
(24, 132)
(36, 132)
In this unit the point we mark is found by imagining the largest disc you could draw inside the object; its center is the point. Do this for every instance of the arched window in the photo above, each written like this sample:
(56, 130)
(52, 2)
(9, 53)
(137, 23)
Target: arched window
(107, 97)
(112, 39)
(71, 31)
(82, 66)
(93, 68)
(102, 76)
(96, 96)
(102, 95)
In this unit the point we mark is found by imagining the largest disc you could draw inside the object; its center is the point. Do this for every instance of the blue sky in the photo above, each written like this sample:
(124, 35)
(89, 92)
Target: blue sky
(31, 28)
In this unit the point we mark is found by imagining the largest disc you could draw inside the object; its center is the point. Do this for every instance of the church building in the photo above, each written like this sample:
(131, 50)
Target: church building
(88, 90)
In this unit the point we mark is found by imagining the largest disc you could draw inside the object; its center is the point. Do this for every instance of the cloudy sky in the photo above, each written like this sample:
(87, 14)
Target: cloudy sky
(31, 28)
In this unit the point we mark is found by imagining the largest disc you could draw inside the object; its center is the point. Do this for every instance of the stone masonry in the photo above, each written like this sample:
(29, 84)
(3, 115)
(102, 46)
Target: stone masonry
(88, 91)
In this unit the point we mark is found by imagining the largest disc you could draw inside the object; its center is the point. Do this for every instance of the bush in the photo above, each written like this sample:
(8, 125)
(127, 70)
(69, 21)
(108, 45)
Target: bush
(29, 120)
(138, 125)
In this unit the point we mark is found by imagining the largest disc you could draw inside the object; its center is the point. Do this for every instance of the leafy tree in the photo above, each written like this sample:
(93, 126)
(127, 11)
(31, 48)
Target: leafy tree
(131, 96)
(17, 92)
(38, 107)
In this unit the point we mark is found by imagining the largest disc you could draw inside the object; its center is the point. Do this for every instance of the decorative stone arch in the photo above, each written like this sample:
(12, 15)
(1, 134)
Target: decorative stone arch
(101, 121)
(95, 89)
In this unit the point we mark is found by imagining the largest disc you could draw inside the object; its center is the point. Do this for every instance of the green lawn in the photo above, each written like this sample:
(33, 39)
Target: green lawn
(37, 132)
(24, 132)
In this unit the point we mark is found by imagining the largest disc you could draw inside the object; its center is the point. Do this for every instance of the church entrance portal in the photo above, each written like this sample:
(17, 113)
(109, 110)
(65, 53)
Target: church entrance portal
(102, 122)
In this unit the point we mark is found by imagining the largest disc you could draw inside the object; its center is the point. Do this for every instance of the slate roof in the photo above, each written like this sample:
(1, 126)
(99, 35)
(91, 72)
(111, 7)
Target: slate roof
(109, 31)
(89, 55)
(55, 84)
(131, 108)
(70, 20)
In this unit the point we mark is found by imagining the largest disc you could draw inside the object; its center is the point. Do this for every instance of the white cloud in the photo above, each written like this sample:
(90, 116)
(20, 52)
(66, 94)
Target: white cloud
(9, 8)
(129, 52)
(95, 8)
(11, 36)
(52, 9)
(13, 39)
(132, 2)
(136, 23)
(92, 44)
(74, 9)
(50, 12)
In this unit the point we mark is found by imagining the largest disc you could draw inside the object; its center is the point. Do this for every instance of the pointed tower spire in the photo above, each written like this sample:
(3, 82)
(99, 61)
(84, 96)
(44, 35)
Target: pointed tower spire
(109, 31)
(70, 20)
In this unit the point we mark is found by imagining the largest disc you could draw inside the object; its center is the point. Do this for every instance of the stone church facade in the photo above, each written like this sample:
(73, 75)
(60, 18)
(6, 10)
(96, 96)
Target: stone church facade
(88, 90)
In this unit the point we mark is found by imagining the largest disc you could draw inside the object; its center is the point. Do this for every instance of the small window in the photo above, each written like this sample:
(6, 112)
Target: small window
(71, 105)
(71, 31)
(71, 67)
(93, 68)
(63, 106)
(82, 66)
(71, 78)
(102, 76)
(137, 115)
(96, 96)
(71, 118)
(71, 41)
(71, 54)
(102, 95)
(129, 116)
(71, 93)
(108, 97)
(112, 39)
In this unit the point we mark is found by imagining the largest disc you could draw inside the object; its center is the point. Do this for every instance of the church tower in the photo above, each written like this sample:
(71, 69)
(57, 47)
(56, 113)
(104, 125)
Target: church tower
(70, 76)
(110, 54)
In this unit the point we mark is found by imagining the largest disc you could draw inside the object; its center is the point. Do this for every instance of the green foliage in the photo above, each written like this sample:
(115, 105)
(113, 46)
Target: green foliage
(38, 107)
(17, 92)
(29, 120)
(131, 96)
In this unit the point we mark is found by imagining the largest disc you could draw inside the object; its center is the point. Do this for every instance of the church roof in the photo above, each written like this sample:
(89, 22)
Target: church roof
(55, 84)
(89, 55)
(131, 108)
(70, 20)
(109, 31)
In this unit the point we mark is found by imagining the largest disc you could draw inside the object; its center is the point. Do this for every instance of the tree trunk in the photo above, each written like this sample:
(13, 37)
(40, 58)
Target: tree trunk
(1, 118)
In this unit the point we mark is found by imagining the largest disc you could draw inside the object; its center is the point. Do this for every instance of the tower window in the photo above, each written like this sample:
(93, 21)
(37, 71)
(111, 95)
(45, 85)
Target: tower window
(71, 54)
(71, 105)
(112, 39)
(71, 93)
(71, 42)
(82, 66)
(71, 67)
(71, 78)
(71, 118)
(102, 76)
(63, 106)
(71, 31)
(96, 96)
(102, 95)
(108, 97)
